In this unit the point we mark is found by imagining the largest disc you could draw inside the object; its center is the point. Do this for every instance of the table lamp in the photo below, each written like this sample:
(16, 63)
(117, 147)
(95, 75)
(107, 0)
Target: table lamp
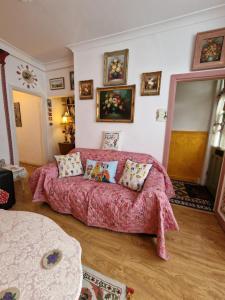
(68, 123)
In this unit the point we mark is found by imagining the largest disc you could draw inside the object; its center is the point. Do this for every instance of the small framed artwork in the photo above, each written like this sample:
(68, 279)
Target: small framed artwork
(150, 83)
(17, 113)
(115, 104)
(209, 52)
(72, 80)
(57, 83)
(86, 89)
(116, 67)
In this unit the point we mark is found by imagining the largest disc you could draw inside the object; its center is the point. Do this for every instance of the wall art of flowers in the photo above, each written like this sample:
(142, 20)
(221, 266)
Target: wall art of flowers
(209, 50)
(115, 104)
(115, 67)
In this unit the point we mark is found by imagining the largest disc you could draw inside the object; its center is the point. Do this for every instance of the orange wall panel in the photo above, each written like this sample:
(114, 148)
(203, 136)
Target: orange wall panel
(187, 153)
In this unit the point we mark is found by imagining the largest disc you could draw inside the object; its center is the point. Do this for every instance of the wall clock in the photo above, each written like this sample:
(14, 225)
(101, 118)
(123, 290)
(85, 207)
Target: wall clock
(27, 76)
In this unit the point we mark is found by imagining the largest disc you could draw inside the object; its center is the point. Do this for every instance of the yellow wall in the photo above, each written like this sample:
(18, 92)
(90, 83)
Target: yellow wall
(187, 152)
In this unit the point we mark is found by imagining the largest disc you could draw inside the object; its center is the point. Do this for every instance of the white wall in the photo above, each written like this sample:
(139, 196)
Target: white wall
(60, 69)
(29, 136)
(167, 47)
(43, 72)
(193, 105)
(13, 82)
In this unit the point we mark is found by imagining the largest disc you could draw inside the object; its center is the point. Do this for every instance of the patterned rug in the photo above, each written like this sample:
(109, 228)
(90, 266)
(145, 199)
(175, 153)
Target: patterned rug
(96, 286)
(192, 195)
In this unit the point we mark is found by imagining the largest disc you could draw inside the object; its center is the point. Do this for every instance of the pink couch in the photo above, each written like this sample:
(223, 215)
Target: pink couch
(111, 206)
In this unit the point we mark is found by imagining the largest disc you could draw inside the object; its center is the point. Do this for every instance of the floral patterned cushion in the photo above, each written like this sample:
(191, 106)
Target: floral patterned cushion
(69, 165)
(101, 171)
(4, 196)
(111, 140)
(134, 175)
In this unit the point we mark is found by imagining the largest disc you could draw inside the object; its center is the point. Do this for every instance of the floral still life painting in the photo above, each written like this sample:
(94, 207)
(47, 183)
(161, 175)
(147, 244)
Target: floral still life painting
(115, 67)
(150, 83)
(209, 50)
(116, 104)
(86, 89)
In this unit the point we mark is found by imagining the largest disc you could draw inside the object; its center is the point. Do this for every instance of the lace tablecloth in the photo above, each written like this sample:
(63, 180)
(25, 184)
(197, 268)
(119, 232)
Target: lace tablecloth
(24, 238)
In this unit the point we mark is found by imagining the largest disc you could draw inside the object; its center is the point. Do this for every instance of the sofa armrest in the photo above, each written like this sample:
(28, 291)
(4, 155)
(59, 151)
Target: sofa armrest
(41, 178)
(155, 181)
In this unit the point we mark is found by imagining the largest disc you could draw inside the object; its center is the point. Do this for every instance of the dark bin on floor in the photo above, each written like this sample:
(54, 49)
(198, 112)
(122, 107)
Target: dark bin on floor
(7, 184)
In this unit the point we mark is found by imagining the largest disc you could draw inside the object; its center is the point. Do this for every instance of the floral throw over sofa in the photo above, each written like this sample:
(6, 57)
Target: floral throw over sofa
(111, 206)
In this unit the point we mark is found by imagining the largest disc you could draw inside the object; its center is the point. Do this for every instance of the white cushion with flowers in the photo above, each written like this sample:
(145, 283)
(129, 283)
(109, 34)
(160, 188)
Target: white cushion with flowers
(134, 175)
(111, 140)
(69, 165)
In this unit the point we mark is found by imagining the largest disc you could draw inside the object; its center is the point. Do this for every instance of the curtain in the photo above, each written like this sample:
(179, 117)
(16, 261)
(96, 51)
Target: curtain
(218, 138)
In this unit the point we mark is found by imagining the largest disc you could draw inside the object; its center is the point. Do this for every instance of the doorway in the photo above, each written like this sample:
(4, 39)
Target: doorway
(29, 133)
(195, 159)
(61, 133)
(200, 138)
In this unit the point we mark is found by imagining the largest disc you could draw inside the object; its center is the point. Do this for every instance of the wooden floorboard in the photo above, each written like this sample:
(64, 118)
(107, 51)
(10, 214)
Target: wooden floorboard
(195, 271)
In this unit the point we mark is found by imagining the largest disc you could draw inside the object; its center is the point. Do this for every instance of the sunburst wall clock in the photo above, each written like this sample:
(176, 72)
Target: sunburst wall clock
(28, 77)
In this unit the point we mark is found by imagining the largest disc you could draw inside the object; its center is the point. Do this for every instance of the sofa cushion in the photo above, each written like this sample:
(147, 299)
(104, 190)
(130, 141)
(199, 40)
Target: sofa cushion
(69, 165)
(101, 171)
(134, 175)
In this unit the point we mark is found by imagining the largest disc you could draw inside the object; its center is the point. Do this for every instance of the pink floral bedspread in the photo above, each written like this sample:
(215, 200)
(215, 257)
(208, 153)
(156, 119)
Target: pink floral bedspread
(111, 206)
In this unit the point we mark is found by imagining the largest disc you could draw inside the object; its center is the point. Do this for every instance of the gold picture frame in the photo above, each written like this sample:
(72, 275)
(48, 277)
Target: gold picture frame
(209, 52)
(86, 89)
(115, 104)
(151, 83)
(115, 67)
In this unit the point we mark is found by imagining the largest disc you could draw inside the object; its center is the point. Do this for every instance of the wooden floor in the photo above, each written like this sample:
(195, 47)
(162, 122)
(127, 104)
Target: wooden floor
(195, 271)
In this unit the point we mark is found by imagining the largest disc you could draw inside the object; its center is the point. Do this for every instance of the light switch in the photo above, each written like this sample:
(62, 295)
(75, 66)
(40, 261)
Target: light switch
(161, 115)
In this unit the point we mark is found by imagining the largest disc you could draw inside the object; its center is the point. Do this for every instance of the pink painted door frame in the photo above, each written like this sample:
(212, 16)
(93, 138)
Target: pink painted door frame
(193, 76)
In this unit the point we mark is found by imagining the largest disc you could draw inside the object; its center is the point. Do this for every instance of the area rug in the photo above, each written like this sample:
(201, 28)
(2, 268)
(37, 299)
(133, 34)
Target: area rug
(96, 286)
(192, 195)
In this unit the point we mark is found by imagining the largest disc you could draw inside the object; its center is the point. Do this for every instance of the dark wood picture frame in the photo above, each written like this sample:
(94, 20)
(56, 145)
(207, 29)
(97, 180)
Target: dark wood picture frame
(86, 88)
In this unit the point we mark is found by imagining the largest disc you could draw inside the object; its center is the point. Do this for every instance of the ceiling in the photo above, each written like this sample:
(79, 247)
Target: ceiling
(43, 28)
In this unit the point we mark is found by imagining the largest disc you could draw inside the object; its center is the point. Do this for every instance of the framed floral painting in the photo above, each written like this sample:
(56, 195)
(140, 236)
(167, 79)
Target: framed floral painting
(86, 89)
(115, 104)
(209, 50)
(150, 83)
(116, 67)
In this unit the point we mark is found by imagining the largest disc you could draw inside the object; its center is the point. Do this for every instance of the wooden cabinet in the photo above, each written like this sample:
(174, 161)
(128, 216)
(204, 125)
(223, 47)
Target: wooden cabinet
(64, 148)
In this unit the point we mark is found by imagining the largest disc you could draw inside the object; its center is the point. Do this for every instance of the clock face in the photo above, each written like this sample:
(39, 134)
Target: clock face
(27, 76)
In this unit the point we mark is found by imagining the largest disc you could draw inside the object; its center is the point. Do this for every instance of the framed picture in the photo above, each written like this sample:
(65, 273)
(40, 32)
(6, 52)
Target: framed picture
(72, 80)
(17, 114)
(115, 104)
(57, 83)
(209, 52)
(86, 89)
(116, 67)
(150, 83)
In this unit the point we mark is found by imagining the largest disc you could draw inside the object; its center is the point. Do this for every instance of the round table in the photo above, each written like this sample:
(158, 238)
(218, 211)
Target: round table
(24, 239)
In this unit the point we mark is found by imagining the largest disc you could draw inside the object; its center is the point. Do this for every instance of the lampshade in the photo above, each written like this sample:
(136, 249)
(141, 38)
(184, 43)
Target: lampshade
(66, 118)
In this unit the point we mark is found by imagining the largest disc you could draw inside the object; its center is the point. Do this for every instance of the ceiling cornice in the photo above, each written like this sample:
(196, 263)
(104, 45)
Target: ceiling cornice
(162, 26)
(66, 62)
(14, 51)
